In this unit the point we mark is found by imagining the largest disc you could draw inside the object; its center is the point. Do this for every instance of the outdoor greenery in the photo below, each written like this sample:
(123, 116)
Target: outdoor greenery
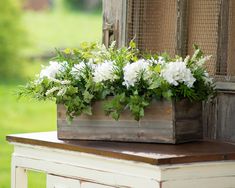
(79, 77)
(42, 36)
(59, 29)
(11, 38)
(21, 117)
(82, 5)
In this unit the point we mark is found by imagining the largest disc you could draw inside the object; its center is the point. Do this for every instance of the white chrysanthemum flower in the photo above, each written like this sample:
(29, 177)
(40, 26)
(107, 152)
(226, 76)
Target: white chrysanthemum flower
(177, 72)
(133, 71)
(54, 68)
(104, 72)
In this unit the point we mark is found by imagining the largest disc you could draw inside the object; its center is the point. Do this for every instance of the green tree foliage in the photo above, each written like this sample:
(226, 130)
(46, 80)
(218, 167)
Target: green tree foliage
(91, 5)
(11, 38)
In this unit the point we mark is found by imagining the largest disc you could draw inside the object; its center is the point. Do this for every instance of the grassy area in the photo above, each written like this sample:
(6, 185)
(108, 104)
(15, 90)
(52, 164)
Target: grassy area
(18, 117)
(46, 31)
(50, 30)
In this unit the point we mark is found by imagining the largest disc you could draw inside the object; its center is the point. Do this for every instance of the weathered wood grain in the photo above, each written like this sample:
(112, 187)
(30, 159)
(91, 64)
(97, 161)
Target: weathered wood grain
(182, 28)
(226, 117)
(155, 154)
(114, 22)
(164, 122)
(219, 118)
(222, 50)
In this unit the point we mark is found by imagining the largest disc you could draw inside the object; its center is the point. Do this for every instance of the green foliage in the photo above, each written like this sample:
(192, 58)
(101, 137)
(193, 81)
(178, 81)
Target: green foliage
(137, 104)
(11, 37)
(125, 78)
(83, 5)
(116, 106)
(21, 117)
(42, 29)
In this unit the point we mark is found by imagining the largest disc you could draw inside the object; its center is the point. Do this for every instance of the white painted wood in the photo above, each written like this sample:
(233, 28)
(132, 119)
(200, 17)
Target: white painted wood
(216, 182)
(93, 185)
(85, 174)
(198, 170)
(102, 170)
(89, 161)
(82, 170)
(19, 177)
(61, 182)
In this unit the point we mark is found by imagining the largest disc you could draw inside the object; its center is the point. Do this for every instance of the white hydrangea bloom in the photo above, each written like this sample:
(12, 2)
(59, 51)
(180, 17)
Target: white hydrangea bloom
(132, 72)
(177, 72)
(78, 69)
(53, 68)
(104, 72)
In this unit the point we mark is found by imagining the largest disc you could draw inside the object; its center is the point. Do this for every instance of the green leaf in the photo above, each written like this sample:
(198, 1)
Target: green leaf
(115, 106)
(155, 84)
(132, 44)
(87, 96)
(167, 94)
(157, 68)
(87, 110)
(115, 115)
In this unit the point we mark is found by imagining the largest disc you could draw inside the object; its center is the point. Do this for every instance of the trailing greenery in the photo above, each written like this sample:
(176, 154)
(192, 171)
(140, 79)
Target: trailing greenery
(124, 78)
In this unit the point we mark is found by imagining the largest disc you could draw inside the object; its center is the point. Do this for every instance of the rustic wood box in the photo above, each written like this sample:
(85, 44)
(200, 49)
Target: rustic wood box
(164, 122)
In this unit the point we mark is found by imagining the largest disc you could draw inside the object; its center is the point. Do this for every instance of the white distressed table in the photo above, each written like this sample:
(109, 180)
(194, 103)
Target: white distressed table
(96, 164)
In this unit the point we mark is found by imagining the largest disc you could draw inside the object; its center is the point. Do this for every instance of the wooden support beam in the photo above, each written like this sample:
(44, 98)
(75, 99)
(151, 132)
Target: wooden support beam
(114, 22)
(182, 28)
(222, 50)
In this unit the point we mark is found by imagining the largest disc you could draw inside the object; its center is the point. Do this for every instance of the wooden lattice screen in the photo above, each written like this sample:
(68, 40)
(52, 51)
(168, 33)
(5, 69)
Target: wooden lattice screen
(175, 25)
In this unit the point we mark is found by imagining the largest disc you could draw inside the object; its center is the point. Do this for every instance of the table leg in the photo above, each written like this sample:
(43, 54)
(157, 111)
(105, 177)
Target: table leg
(19, 177)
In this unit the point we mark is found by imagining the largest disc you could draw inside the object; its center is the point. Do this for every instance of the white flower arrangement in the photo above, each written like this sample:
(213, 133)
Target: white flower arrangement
(177, 72)
(53, 69)
(134, 71)
(79, 77)
(105, 71)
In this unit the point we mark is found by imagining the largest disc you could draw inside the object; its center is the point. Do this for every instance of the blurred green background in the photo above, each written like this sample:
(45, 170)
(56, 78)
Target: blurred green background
(30, 30)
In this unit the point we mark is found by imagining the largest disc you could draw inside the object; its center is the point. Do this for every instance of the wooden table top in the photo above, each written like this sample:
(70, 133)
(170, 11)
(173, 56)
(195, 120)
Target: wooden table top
(156, 154)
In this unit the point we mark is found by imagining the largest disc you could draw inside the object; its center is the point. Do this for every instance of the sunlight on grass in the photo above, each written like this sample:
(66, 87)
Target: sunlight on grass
(36, 179)
(20, 117)
(50, 30)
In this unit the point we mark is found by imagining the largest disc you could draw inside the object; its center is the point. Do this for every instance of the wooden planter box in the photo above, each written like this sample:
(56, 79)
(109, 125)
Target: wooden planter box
(164, 122)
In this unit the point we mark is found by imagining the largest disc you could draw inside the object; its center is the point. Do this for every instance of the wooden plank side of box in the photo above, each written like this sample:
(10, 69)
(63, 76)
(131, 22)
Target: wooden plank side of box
(158, 124)
(188, 121)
